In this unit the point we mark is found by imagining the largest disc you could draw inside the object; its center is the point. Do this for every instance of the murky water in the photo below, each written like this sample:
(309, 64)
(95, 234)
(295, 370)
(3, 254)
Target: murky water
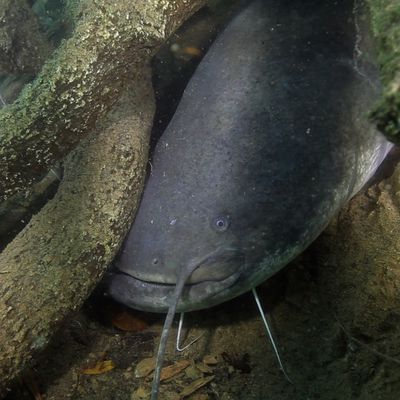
(338, 328)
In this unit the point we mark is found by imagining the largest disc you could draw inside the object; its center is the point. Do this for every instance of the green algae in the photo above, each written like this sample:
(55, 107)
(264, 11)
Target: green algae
(80, 83)
(385, 15)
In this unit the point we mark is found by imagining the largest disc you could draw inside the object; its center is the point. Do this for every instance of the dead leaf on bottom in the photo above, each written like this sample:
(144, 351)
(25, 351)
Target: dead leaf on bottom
(199, 396)
(145, 367)
(141, 393)
(204, 368)
(174, 369)
(192, 51)
(128, 321)
(210, 359)
(100, 368)
(195, 386)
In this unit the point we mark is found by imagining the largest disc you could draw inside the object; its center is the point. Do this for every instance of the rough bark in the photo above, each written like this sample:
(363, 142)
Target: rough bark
(50, 268)
(18, 209)
(80, 83)
(385, 16)
(52, 265)
(23, 47)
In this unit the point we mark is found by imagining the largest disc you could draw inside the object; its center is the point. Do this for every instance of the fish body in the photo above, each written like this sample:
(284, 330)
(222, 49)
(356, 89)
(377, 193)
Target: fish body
(270, 139)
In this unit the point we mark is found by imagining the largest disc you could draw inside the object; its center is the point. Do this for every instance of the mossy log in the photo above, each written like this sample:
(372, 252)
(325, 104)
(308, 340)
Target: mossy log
(80, 83)
(385, 16)
(23, 47)
(49, 269)
(53, 264)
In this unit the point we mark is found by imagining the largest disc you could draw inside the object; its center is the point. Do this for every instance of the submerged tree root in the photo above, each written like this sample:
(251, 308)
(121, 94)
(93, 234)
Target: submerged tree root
(54, 263)
(49, 269)
(385, 16)
(80, 83)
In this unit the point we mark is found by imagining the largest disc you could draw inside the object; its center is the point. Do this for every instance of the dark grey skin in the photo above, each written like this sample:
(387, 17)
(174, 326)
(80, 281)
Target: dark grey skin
(269, 140)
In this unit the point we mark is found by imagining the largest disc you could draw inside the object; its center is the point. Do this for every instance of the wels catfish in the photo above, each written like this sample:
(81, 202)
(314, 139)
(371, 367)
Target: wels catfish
(269, 140)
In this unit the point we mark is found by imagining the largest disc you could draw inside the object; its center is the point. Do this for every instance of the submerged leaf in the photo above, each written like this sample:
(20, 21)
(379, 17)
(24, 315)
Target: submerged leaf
(195, 386)
(145, 367)
(100, 368)
(174, 369)
(128, 321)
(141, 393)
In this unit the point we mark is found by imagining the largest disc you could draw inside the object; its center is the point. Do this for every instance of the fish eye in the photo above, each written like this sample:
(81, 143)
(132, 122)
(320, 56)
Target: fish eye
(221, 223)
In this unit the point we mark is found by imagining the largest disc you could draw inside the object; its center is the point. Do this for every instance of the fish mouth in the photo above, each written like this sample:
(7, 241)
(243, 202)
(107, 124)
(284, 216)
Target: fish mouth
(155, 297)
(215, 265)
(211, 282)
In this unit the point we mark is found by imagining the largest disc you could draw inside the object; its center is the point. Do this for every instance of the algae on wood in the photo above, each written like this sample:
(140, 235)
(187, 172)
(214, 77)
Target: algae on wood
(385, 15)
(80, 83)
(52, 265)
(23, 47)
(49, 269)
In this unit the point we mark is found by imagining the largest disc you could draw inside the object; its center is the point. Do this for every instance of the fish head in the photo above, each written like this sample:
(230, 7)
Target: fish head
(171, 234)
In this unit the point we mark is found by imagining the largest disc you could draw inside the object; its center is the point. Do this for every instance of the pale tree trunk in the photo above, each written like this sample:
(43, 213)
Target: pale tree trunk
(49, 269)
(52, 265)
(80, 83)
(23, 47)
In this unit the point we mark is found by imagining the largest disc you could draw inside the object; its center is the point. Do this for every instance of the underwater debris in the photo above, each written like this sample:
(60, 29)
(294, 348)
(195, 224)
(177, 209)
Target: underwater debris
(100, 367)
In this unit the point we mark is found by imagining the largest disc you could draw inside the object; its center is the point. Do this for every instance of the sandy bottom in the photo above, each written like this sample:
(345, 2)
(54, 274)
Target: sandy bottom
(332, 347)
